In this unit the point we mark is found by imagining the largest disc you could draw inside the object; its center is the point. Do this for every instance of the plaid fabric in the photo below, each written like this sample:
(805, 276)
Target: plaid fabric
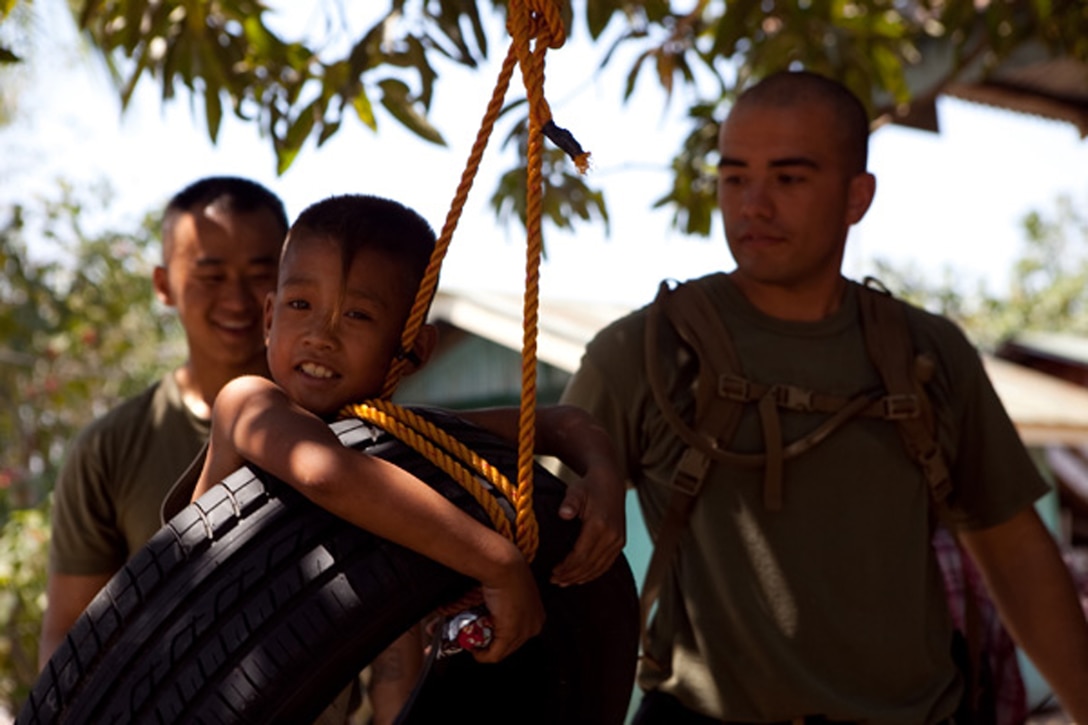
(1076, 559)
(997, 646)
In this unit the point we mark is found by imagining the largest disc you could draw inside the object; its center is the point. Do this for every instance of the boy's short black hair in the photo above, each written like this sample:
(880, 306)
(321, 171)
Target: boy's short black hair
(233, 193)
(362, 221)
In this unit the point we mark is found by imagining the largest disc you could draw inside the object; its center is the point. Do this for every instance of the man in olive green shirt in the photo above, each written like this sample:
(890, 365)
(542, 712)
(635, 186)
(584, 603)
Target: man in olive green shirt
(813, 595)
(221, 244)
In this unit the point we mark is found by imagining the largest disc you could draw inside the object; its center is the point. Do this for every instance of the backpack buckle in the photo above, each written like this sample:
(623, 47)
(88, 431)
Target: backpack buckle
(734, 387)
(900, 406)
(793, 398)
(690, 472)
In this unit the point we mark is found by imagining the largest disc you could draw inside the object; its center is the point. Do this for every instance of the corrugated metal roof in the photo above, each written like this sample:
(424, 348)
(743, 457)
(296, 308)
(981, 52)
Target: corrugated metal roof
(564, 326)
(1045, 409)
(1055, 88)
(1054, 345)
(1031, 80)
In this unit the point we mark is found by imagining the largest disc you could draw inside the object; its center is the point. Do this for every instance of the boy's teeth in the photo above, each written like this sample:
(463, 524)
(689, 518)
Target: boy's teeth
(315, 370)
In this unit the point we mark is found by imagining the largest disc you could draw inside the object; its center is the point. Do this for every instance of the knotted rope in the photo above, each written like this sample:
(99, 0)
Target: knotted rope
(535, 26)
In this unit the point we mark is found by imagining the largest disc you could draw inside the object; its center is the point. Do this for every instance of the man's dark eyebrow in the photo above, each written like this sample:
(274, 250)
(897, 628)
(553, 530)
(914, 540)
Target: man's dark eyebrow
(795, 161)
(264, 259)
(777, 163)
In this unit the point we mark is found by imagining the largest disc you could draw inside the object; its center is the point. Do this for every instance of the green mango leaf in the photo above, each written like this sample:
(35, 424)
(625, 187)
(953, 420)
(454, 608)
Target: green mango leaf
(300, 129)
(364, 110)
(396, 98)
(328, 130)
(285, 156)
(448, 21)
(632, 75)
(213, 111)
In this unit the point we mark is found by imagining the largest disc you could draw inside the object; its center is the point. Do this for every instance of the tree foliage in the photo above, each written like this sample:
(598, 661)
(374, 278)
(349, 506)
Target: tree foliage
(1047, 290)
(303, 86)
(24, 547)
(79, 331)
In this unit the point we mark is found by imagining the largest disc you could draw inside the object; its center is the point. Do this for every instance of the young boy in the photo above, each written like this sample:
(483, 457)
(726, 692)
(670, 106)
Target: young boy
(348, 277)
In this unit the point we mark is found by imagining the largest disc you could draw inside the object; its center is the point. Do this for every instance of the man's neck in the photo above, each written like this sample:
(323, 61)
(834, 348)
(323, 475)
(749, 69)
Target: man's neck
(199, 387)
(793, 303)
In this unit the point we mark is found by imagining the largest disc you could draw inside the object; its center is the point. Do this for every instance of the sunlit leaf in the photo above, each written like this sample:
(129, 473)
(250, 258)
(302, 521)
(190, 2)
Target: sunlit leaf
(213, 111)
(363, 109)
(260, 40)
(285, 156)
(598, 14)
(396, 98)
(300, 129)
(632, 75)
(450, 15)
(328, 130)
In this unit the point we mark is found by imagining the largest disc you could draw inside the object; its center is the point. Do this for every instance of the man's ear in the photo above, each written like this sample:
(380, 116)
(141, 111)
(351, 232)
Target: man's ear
(426, 341)
(160, 280)
(860, 195)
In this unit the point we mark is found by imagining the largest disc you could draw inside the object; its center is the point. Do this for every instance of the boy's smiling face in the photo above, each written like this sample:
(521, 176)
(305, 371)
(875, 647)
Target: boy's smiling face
(332, 336)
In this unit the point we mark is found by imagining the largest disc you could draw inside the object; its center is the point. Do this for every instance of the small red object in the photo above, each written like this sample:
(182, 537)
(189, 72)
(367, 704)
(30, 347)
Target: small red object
(468, 630)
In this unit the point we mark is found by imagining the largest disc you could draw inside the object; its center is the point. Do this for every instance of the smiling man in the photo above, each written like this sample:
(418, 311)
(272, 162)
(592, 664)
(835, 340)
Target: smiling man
(221, 243)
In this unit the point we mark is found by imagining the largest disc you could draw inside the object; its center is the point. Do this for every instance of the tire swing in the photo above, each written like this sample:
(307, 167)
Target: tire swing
(253, 605)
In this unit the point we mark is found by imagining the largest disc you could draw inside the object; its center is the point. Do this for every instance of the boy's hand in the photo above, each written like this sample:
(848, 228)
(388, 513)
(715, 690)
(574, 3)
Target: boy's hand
(516, 609)
(596, 498)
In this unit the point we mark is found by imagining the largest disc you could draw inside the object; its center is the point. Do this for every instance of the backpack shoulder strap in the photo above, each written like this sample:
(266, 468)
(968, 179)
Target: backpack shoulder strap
(889, 344)
(891, 350)
(692, 315)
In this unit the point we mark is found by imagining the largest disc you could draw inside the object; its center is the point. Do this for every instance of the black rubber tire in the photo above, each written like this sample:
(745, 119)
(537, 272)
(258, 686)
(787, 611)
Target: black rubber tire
(253, 605)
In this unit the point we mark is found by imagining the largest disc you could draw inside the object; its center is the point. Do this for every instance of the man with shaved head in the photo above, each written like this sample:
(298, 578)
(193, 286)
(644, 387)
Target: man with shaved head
(758, 415)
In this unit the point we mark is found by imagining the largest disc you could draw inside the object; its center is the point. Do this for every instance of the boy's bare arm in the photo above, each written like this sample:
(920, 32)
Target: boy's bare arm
(223, 457)
(574, 437)
(263, 427)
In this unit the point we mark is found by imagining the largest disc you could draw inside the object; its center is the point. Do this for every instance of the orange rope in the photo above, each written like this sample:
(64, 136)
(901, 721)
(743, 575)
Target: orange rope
(534, 27)
(422, 436)
(427, 286)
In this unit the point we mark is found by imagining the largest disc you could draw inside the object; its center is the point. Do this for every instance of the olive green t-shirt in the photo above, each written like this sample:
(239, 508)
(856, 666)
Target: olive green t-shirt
(834, 604)
(116, 473)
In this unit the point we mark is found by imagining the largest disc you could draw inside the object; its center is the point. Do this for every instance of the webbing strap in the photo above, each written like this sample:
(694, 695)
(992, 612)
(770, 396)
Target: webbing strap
(721, 391)
(903, 372)
(713, 422)
(692, 468)
(886, 407)
(772, 439)
(695, 320)
(693, 317)
(888, 342)
(716, 416)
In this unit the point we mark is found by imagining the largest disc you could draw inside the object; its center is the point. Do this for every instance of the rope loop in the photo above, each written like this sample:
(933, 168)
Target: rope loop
(451, 455)
(537, 19)
(534, 27)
